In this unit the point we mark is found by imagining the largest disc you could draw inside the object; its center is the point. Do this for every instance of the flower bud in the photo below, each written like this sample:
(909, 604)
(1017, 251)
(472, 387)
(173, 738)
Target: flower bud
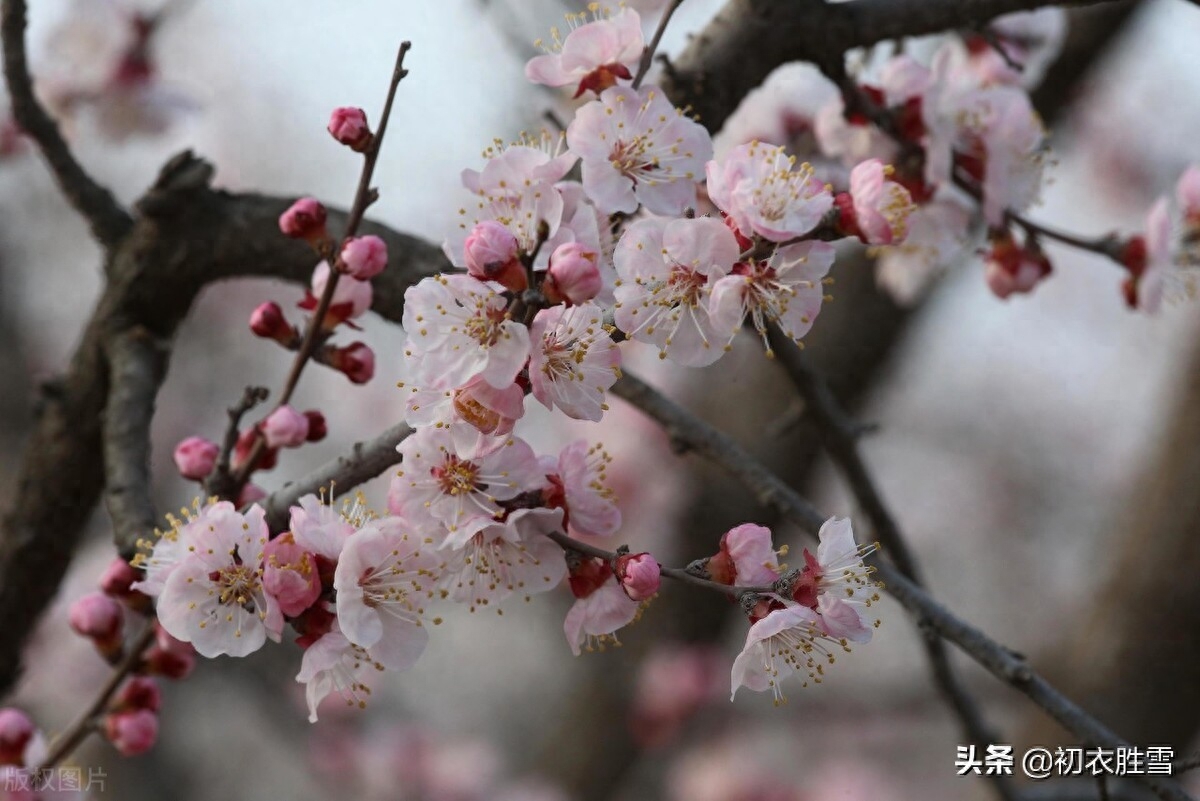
(364, 257)
(195, 458)
(317, 429)
(284, 428)
(16, 730)
(639, 574)
(251, 493)
(268, 322)
(356, 360)
(493, 254)
(573, 276)
(117, 578)
(132, 733)
(100, 619)
(349, 126)
(290, 575)
(305, 219)
(1011, 269)
(245, 444)
(168, 656)
(140, 692)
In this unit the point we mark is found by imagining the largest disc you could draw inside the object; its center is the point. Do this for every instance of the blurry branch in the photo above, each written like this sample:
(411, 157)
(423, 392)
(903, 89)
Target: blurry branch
(839, 435)
(187, 236)
(137, 363)
(365, 461)
(690, 433)
(109, 222)
(750, 38)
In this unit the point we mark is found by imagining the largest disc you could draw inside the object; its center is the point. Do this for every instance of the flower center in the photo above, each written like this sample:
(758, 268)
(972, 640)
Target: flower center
(456, 476)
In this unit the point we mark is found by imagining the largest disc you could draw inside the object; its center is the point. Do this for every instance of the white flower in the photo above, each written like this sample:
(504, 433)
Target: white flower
(574, 361)
(786, 641)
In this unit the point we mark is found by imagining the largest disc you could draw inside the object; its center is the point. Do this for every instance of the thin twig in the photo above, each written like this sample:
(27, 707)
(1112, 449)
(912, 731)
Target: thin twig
(648, 51)
(137, 363)
(1006, 665)
(108, 220)
(221, 482)
(364, 196)
(85, 724)
(365, 461)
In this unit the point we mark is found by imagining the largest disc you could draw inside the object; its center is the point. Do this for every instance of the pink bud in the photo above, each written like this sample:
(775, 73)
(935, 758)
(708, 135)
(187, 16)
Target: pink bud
(573, 276)
(317, 429)
(245, 444)
(639, 574)
(349, 126)
(195, 458)
(268, 322)
(140, 692)
(364, 257)
(251, 493)
(305, 219)
(290, 575)
(99, 618)
(356, 360)
(490, 250)
(284, 428)
(168, 656)
(132, 733)
(16, 730)
(118, 577)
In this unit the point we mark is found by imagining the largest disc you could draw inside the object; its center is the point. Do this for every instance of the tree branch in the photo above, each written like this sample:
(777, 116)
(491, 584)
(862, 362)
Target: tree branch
(137, 364)
(109, 222)
(750, 38)
(365, 461)
(1006, 665)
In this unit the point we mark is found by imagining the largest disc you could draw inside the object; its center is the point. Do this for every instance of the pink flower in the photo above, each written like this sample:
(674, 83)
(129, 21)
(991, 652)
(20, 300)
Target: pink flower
(593, 55)
(291, 575)
(132, 733)
(267, 321)
(348, 125)
(1030, 39)
(1171, 265)
(334, 664)
(195, 458)
(880, 207)
(637, 148)
(16, 732)
(160, 558)
(838, 584)
(364, 257)
(785, 289)
(285, 428)
(356, 361)
(667, 269)
(305, 219)
(639, 575)
(321, 530)
(99, 618)
(788, 640)
(780, 111)
(574, 360)
(533, 161)
(580, 488)
(746, 558)
(762, 193)
(459, 481)
(601, 607)
(351, 298)
(937, 236)
(1011, 269)
(850, 140)
(491, 253)
(383, 579)
(139, 692)
(1013, 142)
(214, 598)
(503, 558)
(477, 403)
(573, 276)
(459, 328)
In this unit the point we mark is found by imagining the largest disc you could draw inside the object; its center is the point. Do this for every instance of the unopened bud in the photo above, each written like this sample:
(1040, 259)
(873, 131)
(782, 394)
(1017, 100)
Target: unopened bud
(348, 125)
(195, 458)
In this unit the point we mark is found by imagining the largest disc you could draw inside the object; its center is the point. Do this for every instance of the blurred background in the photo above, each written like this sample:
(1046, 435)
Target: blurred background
(1041, 452)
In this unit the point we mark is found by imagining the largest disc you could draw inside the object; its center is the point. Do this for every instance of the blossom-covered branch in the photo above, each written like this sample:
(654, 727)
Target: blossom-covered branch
(1004, 663)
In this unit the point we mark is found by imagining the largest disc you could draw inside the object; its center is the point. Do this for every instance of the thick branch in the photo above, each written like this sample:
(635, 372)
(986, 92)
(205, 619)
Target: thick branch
(137, 365)
(108, 220)
(365, 461)
(750, 38)
(690, 432)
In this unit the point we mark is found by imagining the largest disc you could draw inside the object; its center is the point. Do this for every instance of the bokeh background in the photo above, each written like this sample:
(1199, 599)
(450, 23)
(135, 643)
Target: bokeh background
(1035, 450)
